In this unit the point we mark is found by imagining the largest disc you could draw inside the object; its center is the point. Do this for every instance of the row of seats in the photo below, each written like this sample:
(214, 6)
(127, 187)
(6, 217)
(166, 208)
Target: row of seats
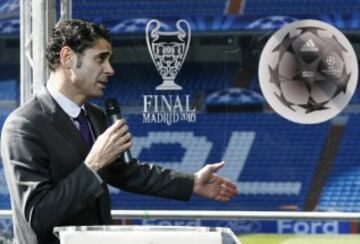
(343, 186)
(91, 9)
(279, 176)
(9, 90)
(133, 81)
(265, 156)
(204, 15)
(196, 79)
(139, 8)
(293, 7)
(271, 159)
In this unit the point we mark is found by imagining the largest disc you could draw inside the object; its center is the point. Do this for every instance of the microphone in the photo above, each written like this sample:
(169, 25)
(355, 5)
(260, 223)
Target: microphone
(113, 112)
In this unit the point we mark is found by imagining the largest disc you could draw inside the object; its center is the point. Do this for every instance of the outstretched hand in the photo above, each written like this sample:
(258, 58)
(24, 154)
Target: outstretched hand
(208, 184)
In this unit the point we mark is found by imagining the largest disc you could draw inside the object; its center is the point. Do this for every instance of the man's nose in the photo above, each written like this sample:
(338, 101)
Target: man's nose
(109, 70)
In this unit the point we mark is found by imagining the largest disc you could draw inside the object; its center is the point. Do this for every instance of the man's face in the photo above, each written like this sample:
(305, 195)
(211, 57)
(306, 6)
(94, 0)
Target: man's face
(91, 70)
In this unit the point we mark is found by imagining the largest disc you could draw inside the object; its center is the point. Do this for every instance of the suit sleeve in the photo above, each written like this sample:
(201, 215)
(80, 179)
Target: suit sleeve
(43, 203)
(150, 180)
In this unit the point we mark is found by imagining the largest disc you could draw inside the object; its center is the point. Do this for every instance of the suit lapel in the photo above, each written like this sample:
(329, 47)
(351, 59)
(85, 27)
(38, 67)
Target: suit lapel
(61, 121)
(98, 125)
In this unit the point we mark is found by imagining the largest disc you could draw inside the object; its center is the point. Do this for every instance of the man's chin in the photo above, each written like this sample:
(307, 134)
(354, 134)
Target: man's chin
(98, 94)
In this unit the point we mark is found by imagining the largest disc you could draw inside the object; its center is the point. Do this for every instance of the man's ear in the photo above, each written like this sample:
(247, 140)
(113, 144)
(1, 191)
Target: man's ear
(67, 57)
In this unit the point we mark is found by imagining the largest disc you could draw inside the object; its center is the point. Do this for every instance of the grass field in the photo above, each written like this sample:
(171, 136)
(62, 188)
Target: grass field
(299, 239)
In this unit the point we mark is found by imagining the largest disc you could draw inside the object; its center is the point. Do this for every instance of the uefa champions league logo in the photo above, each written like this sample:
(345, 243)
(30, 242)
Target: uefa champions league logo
(308, 71)
(168, 50)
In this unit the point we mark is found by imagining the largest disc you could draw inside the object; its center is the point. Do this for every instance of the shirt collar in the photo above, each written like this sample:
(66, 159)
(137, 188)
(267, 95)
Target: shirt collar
(69, 107)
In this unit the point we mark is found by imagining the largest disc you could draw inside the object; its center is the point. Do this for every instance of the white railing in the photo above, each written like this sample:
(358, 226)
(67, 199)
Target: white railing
(234, 215)
(230, 215)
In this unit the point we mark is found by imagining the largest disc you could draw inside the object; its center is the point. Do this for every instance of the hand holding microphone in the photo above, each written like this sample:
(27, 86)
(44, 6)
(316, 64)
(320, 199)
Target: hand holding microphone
(113, 112)
(115, 141)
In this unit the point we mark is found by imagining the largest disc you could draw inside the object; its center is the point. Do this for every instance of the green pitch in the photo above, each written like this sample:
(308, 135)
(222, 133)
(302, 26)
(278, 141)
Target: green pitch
(299, 239)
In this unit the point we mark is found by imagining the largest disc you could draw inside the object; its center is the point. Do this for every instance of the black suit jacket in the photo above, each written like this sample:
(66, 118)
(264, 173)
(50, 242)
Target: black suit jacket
(49, 184)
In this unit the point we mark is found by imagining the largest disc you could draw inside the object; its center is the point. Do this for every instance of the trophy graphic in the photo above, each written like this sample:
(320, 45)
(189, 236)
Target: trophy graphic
(168, 50)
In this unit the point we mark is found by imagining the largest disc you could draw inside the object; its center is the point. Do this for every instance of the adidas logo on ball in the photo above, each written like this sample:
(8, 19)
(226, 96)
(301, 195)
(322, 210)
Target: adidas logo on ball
(309, 46)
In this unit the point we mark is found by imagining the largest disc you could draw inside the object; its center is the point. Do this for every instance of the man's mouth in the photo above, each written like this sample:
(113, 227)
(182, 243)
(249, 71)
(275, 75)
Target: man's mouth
(103, 83)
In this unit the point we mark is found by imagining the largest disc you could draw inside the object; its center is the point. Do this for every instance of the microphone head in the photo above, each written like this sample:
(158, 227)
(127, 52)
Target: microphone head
(112, 107)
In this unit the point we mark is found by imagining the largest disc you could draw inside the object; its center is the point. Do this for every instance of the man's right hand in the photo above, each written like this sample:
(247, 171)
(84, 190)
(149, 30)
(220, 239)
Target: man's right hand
(109, 145)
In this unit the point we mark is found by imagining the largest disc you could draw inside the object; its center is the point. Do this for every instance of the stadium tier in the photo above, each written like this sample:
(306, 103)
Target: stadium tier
(9, 82)
(4, 193)
(132, 16)
(272, 160)
(295, 7)
(356, 97)
(164, 8)
(145, 8)
(276, 164)
(113, 9)
(133, 80)
(9, 90)
(341, 192)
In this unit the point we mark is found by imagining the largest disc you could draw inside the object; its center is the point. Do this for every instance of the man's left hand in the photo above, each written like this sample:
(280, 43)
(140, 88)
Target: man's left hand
(208, 184)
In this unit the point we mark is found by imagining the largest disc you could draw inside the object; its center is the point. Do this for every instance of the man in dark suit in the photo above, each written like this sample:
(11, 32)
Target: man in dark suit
(57, 166)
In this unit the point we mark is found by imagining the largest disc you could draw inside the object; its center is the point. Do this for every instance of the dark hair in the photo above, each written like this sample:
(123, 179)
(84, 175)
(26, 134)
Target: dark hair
(76, 34)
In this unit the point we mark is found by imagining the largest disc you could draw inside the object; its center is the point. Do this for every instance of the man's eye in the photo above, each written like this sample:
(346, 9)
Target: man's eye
(100, 59)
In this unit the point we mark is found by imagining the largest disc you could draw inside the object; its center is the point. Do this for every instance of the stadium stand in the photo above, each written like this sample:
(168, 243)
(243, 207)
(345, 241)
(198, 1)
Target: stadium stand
(9, 82)
(277, 178)
(132, 80)
(356, 97)
(235, 100)
(341, 193)
(4, 193)
(144, 8)
(9, 90)
(9, 97)
(132, 16)
(299, 7)
(162, 8)
(273, 161)
(274, 179)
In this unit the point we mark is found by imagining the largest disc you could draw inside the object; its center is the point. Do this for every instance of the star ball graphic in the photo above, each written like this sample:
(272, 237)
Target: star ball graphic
(308, 71)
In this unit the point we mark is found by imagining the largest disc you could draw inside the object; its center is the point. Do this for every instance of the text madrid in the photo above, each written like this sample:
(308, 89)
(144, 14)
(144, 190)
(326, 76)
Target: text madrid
(167, 109)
